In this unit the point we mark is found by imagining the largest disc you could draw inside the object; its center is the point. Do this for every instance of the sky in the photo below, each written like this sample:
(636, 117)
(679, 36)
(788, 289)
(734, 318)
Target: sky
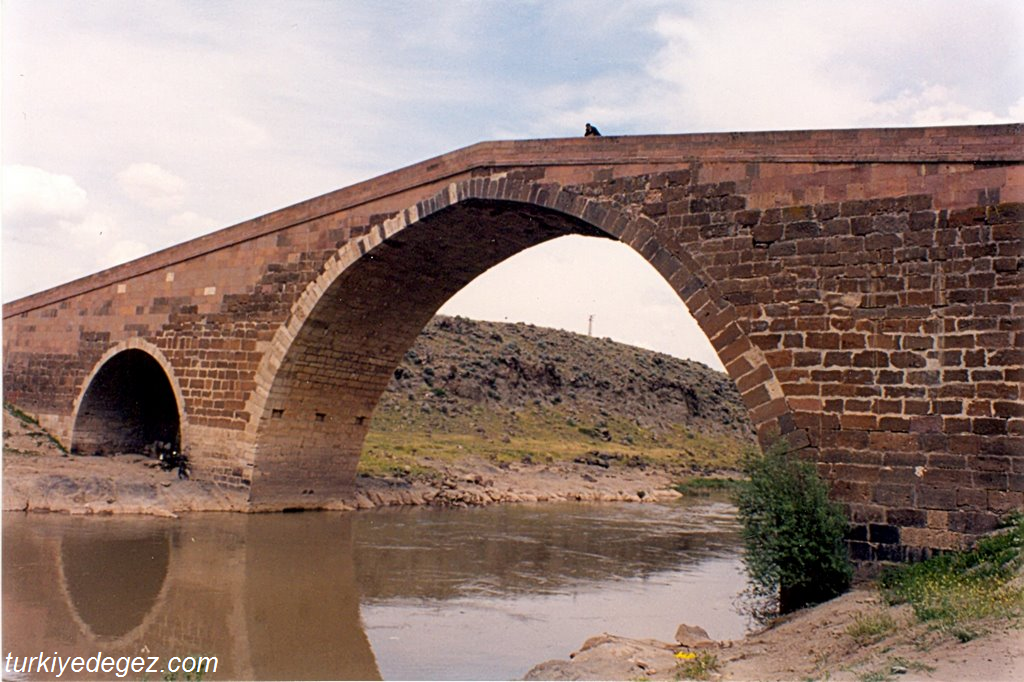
(129, 126)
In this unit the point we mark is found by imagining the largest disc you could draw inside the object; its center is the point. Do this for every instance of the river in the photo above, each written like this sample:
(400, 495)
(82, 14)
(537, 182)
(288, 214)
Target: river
(419, 593)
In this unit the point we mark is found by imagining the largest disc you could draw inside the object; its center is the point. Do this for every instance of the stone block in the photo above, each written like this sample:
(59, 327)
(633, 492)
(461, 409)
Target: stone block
(917, 518)
(883, 533)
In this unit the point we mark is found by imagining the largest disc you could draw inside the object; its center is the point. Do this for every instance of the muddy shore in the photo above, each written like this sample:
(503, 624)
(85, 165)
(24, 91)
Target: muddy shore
(131, 484)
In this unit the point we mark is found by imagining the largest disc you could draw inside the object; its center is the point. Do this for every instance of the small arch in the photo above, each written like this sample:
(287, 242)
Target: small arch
(129, 401)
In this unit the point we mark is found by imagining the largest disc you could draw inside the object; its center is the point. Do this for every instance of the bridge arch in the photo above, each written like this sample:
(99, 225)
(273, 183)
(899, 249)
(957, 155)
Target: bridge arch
(130, 399)
(328, 365)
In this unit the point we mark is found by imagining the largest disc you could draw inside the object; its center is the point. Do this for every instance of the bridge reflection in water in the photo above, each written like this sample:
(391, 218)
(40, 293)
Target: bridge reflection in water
(269, 602)
(279, 596)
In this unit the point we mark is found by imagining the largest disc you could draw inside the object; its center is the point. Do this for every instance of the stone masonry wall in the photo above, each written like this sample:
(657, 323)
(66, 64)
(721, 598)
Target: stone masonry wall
(895, 330)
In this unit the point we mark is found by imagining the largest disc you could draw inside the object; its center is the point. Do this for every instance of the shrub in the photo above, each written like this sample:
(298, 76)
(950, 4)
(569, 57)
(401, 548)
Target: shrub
(794, 535)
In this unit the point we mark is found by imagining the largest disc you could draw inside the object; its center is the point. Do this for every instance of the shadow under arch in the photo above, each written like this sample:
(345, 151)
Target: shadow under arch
(328, 365)
(129, 400)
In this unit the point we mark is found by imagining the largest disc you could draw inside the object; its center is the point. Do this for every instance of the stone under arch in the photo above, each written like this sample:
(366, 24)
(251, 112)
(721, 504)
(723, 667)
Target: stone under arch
(128, 401)
(330, 362)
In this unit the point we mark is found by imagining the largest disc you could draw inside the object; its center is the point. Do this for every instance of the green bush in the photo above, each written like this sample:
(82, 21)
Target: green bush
(794, 535)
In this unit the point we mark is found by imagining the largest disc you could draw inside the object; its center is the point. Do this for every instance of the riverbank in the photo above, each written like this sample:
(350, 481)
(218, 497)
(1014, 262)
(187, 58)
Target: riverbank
(833, 641)
(955, 616)
(39, 476)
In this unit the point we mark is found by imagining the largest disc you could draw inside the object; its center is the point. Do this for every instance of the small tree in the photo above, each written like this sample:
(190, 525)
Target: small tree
(794, 535)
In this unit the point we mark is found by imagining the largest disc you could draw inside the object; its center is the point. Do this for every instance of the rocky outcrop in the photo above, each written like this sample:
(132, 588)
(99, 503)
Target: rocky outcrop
(457, 364)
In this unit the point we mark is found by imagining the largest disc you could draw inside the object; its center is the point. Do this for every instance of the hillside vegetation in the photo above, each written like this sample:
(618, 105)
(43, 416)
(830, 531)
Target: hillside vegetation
(516, 392)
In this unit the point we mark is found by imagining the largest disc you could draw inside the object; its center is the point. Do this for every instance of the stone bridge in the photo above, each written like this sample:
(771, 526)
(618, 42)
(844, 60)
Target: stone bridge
(863, 288)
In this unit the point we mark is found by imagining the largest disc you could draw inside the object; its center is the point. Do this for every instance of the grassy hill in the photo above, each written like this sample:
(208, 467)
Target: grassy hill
(516, 392)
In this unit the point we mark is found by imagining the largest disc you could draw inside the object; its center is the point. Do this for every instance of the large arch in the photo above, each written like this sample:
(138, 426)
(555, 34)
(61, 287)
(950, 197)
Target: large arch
(129, 400)
(331, 361)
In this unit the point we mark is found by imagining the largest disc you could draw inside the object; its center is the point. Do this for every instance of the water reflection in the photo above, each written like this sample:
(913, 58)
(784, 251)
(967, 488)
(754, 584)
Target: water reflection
(129, 569)
(302, 603)
(442, 594)
(272, 597)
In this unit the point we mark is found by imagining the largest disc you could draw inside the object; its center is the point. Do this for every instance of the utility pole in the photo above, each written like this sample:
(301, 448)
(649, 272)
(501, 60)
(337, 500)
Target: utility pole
(590, 326)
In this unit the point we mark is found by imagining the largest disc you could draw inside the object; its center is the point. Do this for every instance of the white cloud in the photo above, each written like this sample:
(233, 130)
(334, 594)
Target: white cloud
(125, 250)
(30, 193)
(795, 64)
(78, 245)
(91, 231)
(932, 105)
(152, 186)
(53, 232)
(1017, 110)
(190, 222)
(742, 66)
(243, 131)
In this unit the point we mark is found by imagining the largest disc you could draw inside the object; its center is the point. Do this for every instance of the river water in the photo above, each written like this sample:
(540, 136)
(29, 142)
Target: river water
(395, 594)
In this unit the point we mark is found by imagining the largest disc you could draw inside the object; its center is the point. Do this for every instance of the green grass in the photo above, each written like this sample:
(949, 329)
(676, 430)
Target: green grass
(403, 438)
(39, 434)
(13, 410)
(696, 666)
(956, 590)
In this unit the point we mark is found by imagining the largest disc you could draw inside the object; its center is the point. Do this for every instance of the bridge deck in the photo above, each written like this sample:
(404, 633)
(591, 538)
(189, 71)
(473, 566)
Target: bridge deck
(999, 144)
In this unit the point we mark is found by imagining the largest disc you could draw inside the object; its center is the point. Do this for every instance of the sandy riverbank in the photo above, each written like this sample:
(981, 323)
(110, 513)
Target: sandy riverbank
(813, 644)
